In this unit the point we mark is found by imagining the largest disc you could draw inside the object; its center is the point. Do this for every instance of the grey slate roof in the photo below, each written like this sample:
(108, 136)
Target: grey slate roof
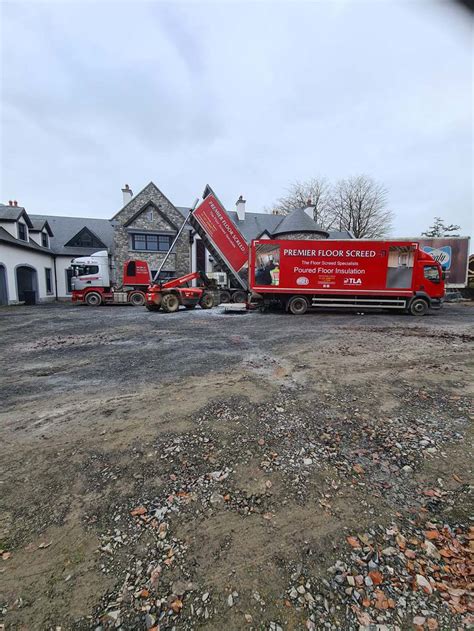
(65, 228)
(13, 213)
(6, 237)
(255, 223)
(39, 224)
(298, 221)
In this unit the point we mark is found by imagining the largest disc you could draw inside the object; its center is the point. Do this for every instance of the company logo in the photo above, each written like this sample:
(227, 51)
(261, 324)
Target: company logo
(441, 255)
(353, 281)
(302, 280)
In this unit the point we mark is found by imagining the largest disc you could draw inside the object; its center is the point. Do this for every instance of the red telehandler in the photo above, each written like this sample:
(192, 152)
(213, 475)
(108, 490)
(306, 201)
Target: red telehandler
(176, 292)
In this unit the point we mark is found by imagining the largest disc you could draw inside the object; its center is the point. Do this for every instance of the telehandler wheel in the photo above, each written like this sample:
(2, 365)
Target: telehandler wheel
(207, 301)
(93, 299)
(153, 307)
(239, 296)
(137, 299)
(170, 303)
(297, 305)
(224, 297)
(418, 307)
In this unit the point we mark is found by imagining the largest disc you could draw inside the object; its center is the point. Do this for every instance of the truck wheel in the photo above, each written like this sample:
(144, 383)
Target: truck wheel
(207, 301)
(297, 305)
(93, 299)
(153, 307)
(170, 303)
(418, 307)
(137, 299)
(239, 296)
(224, 297)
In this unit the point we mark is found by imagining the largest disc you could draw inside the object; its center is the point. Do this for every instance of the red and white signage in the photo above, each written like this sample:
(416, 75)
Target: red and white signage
(222, 232)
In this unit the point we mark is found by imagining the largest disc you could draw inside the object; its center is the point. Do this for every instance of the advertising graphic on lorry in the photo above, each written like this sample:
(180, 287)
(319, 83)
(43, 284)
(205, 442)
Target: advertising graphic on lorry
(368, 274)
(222, 233)
(334, 266)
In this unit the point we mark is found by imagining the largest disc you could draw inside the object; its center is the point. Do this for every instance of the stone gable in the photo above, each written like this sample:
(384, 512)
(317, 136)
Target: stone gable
(166, 219)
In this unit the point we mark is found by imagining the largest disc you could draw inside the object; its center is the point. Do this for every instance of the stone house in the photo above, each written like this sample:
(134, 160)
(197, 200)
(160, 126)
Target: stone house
(145, 228)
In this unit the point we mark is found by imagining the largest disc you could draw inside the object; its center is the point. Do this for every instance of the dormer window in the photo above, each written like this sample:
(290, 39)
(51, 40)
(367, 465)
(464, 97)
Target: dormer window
(44, 240)
(22, 232)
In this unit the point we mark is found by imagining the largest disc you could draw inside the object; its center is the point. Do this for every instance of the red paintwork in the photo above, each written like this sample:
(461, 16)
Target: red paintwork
(222, 232)
(142, 274)
(187, 295)
(137, 282)
(340, 267)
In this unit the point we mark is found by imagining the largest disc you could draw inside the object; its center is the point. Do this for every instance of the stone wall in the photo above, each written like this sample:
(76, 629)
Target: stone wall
(166, 220)
(301, 236)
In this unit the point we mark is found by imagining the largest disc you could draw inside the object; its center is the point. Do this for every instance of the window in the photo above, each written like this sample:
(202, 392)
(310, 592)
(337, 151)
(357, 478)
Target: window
(49, 282)
(150, 215)
(85, 270)
(431, 273)
(22, 231)
(151, 242)
(68, 280)
(44, 240)
(85, 239)
(131, 268)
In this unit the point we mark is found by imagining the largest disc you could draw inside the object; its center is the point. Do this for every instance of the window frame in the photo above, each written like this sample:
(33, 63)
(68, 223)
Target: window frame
(48, 277)
(147, 239)
(45, 240)
(22, 229)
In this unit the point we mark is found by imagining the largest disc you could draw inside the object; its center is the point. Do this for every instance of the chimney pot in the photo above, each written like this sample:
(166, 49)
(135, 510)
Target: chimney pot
(10, 203)
(15, 203)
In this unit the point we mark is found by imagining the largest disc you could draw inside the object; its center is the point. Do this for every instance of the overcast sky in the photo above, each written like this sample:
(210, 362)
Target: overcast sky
(246, 96)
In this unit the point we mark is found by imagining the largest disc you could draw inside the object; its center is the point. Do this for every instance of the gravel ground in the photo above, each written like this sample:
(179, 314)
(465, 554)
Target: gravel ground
(260, 471)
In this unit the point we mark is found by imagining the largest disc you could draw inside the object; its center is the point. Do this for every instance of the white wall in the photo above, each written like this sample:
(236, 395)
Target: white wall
(10, 227)
(62, 263)
(11, 257)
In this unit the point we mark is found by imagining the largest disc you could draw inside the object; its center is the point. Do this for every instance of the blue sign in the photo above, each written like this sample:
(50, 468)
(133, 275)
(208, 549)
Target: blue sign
(442, 255)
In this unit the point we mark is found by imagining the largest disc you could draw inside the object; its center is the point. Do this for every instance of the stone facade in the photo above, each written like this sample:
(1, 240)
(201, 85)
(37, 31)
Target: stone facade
(150, 212)
(301, 236)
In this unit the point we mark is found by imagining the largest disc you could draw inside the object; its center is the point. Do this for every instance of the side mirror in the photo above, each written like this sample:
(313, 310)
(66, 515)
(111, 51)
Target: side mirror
(443, 275)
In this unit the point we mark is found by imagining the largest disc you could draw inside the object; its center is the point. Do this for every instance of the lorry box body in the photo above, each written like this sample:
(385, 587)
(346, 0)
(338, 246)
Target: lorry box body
(355, 273)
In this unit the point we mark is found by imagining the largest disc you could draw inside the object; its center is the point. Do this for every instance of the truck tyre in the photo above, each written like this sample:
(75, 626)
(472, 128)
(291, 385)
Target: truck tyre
(418, 307)
(153, 307)
(207, 301)
(239, 296)
(170, 303)
(224, 297)
(297, 305)
(93, 299)
(137, 299)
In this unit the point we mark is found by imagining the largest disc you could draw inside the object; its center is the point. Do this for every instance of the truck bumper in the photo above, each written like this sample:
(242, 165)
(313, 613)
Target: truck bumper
(436, 303)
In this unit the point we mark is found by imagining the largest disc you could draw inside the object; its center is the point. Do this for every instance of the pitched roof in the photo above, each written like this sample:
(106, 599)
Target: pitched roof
(298, 221)
(13, 213)
(65, 228)
(39, 224)
(255, 223)
(6, 237)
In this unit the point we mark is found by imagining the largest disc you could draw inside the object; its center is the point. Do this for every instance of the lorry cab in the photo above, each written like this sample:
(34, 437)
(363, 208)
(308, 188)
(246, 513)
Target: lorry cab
(90, 271)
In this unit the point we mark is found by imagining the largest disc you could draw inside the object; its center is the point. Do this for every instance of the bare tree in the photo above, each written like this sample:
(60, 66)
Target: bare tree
(315, 192)
(359, 204)
(440, 229)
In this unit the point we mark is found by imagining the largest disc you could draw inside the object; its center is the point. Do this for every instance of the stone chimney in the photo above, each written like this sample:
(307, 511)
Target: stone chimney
(240, 208)
(127, 194)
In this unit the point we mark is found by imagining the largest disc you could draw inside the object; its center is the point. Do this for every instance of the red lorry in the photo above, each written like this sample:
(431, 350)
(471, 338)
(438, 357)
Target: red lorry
(360, 274)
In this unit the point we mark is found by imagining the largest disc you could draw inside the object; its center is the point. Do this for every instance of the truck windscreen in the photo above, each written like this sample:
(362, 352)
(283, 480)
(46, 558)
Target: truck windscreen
(84, 270)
